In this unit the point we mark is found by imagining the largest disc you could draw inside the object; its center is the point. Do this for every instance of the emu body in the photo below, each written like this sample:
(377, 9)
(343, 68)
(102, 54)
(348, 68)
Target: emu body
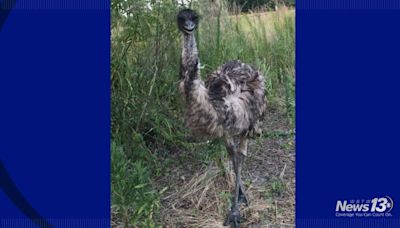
(228, 105)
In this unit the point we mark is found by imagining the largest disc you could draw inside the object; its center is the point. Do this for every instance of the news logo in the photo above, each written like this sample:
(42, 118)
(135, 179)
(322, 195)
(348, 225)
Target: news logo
(376, 207)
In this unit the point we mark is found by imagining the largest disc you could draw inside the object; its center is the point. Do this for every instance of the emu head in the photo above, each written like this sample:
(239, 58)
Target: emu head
(187, 21)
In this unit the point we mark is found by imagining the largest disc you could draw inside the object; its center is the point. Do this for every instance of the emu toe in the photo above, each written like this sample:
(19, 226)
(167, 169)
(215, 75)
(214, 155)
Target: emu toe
(233, 219)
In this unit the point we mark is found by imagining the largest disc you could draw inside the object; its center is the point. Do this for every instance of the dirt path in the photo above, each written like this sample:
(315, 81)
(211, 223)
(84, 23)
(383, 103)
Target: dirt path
(199, 193)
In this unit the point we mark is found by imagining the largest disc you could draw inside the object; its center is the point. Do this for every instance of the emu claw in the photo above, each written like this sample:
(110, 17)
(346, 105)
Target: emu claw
(233, 218)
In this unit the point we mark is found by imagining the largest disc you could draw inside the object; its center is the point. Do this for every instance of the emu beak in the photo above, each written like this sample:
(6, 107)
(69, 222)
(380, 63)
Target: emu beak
(189, 26)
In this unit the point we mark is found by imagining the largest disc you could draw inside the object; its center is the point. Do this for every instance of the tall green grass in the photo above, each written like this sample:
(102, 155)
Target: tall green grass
(147, 114)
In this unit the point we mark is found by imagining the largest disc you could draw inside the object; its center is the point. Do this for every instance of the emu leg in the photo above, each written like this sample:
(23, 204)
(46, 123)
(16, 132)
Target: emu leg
(243, 152)
(234, 214)
(242, 194)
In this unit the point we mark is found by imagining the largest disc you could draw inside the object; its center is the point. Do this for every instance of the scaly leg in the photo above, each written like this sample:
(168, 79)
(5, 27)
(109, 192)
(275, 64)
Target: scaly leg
(237, 158)
(242, 193)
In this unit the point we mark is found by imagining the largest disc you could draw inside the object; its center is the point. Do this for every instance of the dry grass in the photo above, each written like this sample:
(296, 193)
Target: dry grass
(264, 20)
(204, 200)
(202, 197)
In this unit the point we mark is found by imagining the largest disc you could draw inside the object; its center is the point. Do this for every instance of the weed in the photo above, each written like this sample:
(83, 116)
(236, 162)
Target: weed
(274, 188)
(134, 200)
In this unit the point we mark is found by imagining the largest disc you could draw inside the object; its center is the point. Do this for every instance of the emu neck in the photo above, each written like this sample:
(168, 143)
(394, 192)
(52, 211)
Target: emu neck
(200, 114)
(189, 59)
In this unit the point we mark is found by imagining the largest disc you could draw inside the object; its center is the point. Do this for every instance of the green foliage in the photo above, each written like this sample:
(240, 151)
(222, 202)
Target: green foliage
(274, 188)
(134, 201)
(147, 115)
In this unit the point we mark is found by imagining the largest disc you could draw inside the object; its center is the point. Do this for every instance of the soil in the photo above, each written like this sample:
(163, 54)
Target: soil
(198, 194)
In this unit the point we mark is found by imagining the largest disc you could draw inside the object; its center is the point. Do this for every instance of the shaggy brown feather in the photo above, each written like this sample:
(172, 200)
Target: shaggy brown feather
(230, 102)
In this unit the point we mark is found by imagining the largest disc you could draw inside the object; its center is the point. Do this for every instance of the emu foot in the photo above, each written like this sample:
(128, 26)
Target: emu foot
(233, 218)
(243, 196)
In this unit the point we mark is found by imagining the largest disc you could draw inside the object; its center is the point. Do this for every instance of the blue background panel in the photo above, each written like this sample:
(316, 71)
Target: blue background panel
(347, 67)
(54, 117)
(55, 112)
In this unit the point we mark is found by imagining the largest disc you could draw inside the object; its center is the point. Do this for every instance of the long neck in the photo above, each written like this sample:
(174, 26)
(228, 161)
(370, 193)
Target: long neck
(200, 113)
(190, 63)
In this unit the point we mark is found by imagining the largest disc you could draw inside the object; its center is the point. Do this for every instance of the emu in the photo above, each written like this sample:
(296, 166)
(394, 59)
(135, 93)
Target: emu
(229, 104)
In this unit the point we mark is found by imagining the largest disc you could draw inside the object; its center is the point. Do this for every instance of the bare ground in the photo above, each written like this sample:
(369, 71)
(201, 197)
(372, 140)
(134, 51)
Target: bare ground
(199, 194)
